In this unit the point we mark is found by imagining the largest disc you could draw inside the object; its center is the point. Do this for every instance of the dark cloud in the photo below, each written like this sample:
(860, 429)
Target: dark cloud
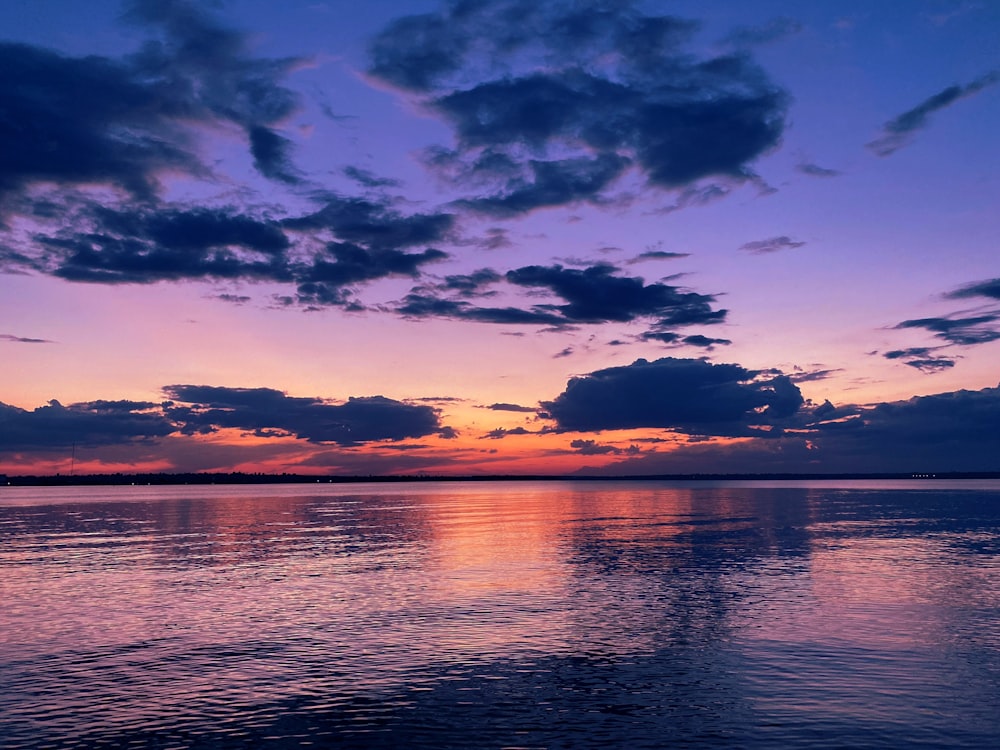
(964, 331)
(814, 170)
(418, 305)
(704, 341)
(470, 284)
(326, 254)
(272, 154)
(676, 339)
(550, 183)
(22, 339)
(751, 36)
(657, 255)
(596, 294)
(195, 229)
(696, 195)
(54, 134)
(495, 239)
(97, 423)
(989, 288)
(593, 448)
(373, 224)
(812, 375)
(914, 351)
(143, 245)
(500, 433)
(926, 424)
(211, 64)
(666, 337)
(77, 122)
(931, 365)
(206, 409)
(235, 299)
(966, 328)
(953, 431)
(551, 102)
(771, 245)
(567, 352)
(200, 409)
(922, 358)
(512, 407)
(898, 131)
(124, 121)
(366, 179)
(583, 296)
(412, 52)
(344, 264)
(686, 395)
(15, 262)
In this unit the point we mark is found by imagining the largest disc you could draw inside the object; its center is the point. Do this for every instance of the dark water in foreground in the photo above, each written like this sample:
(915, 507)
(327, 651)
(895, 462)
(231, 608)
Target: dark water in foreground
(501, 615)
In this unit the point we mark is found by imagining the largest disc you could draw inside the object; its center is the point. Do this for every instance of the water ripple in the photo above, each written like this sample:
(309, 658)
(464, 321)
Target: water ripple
(521, 615)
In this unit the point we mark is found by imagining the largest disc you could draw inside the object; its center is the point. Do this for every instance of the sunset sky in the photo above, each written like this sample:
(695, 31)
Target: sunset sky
(490, 237)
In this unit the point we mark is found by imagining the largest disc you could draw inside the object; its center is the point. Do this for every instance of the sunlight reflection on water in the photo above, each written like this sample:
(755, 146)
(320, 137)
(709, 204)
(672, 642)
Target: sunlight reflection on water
(501, 614)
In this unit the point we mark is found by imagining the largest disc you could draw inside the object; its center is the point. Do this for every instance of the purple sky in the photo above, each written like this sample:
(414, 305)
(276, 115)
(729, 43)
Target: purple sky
(492, 237)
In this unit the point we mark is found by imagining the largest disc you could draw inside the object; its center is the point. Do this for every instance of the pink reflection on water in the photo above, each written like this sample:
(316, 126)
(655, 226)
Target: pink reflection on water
(187, 603)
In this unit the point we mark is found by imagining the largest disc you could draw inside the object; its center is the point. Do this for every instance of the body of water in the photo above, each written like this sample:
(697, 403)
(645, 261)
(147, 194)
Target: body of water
(520, 614)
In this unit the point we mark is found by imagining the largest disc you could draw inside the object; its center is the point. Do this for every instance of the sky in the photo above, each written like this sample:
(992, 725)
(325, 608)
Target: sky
(499, 237)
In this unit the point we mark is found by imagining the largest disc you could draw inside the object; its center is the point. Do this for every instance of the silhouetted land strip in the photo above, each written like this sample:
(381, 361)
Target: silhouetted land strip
(61, 480)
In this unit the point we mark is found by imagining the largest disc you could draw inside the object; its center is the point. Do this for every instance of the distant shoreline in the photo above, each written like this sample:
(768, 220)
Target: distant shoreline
(69, 480)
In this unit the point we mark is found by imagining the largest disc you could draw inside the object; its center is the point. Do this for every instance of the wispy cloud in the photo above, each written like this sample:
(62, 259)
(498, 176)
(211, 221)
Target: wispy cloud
(989, 288)
(22, 339)
(512, 407)
(656, 255)
(501, 432)
(593, 448)
(704, 341)
(745, 37)
(931, 365)
(771, 245)
(366, 179)
(898, 131)
(814, 170)
(964, 330)
(810, 376)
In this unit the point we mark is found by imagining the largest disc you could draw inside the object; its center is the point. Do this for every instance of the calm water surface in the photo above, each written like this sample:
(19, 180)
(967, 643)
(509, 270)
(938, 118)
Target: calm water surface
(559, 615)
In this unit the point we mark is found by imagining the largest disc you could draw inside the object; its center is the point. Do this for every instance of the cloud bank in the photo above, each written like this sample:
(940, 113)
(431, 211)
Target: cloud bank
(203, 410)
(953, 431)
(684, 395)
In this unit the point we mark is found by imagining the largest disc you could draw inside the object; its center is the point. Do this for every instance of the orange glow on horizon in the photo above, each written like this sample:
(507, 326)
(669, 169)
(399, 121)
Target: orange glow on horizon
(472, 453)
